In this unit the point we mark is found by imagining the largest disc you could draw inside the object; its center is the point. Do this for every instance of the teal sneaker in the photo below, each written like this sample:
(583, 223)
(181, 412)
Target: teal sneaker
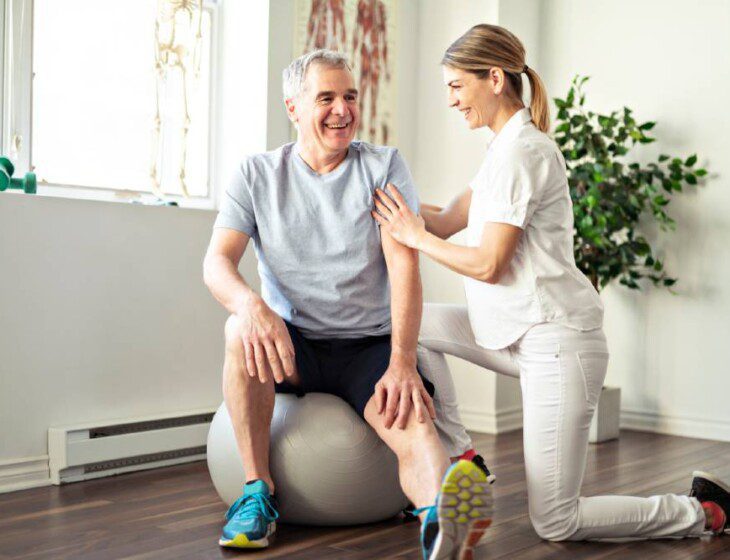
(251, 520)
(429, 530)
(463, 512)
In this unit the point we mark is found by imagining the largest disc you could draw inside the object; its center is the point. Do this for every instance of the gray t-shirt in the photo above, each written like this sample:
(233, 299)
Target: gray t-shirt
(320, 259)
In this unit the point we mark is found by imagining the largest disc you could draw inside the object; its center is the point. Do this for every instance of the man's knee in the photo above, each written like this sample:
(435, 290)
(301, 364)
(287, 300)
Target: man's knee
(235, 359)
(232, 332)
(399, 440)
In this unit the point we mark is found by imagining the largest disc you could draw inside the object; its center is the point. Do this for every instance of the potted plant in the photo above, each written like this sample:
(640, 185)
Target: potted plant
(610, 195)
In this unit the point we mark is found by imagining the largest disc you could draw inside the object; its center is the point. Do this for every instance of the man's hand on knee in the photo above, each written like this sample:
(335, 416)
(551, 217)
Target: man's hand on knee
(400, 390)
(266, 342)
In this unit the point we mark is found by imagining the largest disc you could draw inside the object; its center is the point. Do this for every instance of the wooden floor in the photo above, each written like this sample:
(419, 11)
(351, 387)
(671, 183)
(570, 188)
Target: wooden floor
(175, 513)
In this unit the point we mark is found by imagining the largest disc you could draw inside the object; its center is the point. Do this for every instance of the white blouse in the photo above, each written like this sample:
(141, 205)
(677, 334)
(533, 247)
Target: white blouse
(523, 182)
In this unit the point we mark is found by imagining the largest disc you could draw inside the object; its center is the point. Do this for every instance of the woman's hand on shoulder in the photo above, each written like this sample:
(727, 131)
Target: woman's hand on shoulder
(395, 217)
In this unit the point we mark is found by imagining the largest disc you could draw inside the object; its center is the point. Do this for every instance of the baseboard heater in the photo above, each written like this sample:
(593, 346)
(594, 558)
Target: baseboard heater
(104, 449)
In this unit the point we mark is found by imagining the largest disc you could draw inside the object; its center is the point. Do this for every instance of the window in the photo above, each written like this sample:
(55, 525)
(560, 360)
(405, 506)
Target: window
(89, 124)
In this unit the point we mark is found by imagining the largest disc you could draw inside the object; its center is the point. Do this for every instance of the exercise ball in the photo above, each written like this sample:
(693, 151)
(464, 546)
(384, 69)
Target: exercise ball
(329, 466)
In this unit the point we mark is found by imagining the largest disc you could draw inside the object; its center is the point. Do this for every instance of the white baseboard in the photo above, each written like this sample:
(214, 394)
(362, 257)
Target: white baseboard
(488, 422)
(685, 426)
(24, 473)
(510, 419)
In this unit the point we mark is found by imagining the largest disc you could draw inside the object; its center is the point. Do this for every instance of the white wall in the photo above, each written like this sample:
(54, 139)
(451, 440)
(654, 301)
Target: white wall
(104, 315)
(668, 61)
(103, 311)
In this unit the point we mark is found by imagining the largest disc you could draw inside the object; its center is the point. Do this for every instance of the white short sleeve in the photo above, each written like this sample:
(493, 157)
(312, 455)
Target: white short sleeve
(510, 191)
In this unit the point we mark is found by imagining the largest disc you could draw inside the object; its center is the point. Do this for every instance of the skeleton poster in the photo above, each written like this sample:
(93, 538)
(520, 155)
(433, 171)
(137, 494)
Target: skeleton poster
(364, 30)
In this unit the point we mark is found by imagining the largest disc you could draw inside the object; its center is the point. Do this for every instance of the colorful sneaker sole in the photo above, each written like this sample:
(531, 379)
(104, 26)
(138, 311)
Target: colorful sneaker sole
(464, 512)
(242, 541)
(473, 538)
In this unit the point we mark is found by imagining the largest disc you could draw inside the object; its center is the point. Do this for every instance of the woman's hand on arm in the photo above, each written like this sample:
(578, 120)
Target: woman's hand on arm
(486, 263)
(395, 217)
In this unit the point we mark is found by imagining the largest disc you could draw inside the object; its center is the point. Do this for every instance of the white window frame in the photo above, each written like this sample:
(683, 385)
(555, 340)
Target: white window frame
(17, 109)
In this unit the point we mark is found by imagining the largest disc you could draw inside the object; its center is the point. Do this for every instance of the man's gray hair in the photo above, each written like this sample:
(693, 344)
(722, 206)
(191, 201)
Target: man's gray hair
(295, 74)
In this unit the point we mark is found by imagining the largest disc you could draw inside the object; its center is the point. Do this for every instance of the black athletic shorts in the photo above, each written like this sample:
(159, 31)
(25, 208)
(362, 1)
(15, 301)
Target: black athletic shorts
(345, 367)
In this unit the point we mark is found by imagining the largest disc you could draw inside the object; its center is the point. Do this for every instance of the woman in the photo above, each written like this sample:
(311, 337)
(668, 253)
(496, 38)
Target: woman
(529, 309)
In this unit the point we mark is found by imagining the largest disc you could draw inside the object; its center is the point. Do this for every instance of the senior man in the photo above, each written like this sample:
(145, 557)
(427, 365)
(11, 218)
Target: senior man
(326, 319)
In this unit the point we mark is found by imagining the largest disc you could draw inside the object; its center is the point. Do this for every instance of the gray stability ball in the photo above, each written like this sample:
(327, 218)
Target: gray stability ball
(329, 466)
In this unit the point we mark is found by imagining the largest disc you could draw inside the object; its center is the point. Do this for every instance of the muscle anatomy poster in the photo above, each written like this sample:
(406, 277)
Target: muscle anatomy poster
(363, 30)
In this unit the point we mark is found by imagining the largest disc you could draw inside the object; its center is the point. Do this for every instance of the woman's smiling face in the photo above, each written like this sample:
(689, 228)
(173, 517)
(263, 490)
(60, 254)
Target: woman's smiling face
(473, 96)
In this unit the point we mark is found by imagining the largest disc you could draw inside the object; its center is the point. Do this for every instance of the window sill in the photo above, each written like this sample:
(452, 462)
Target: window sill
(124, 197)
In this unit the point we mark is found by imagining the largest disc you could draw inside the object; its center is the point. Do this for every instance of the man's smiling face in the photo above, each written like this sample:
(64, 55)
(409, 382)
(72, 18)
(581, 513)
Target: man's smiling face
(326, 111)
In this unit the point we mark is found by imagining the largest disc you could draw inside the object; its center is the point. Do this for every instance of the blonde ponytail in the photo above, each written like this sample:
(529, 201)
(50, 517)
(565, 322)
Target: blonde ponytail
(538, 101)
(485, 46)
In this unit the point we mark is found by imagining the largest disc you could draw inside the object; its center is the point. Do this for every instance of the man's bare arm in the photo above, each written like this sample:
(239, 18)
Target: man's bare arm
(220, 269)
(266, 341)
(401, 388)
(406, 298)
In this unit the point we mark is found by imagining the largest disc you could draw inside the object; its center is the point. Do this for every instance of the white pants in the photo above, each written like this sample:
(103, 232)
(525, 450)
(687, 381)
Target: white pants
(561, 373)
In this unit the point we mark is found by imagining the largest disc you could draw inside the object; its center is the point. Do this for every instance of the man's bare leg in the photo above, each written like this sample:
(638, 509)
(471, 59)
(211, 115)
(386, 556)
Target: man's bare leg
(423, 464)
(422, 459)
(250, 405)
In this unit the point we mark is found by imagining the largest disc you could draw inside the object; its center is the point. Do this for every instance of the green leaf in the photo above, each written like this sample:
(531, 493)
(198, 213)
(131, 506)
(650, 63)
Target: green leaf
(691, 160)
(690, 178)
(670, 281)
(571, 97)
(647, 126)
(663, 157)
(700, 172)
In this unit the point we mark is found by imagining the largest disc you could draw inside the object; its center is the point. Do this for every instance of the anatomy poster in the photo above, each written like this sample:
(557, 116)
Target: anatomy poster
(364, 30)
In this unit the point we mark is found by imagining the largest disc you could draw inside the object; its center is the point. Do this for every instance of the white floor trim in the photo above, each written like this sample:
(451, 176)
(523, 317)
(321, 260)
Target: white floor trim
(479, 420)
(685, 426)
(487, 422)
(24, 473)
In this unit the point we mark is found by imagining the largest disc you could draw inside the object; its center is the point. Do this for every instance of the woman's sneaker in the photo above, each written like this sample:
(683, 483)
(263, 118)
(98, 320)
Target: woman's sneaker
(251, 520)
(708, 488)
(462, 514)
